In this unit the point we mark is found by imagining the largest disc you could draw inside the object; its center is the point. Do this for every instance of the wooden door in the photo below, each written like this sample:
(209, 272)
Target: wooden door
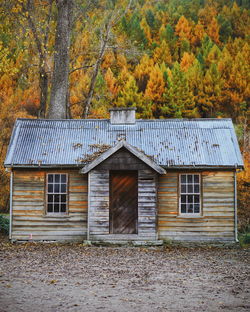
(123, 202)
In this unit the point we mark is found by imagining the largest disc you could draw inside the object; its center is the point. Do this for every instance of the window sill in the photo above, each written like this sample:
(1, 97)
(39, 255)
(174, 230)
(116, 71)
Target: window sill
(56, 216)
(191, 216)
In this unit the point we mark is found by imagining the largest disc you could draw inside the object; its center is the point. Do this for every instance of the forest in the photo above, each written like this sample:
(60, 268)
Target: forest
(169, 58)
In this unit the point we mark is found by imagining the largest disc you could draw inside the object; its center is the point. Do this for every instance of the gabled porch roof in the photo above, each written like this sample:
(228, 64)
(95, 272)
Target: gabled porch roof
(123, 144)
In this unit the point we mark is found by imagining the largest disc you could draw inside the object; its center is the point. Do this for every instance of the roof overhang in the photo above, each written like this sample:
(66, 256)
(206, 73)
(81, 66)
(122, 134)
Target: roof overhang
(123, 144)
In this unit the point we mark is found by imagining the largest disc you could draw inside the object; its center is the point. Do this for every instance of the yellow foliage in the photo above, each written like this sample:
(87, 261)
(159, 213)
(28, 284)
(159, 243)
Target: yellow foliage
(187, 61)
(111, 82)
(108, 60)
(143, 70)
(244, 194)
(213, 31)
(183, 29)
(146, 28)
(155, 85)
(162, 54)
(198, 34)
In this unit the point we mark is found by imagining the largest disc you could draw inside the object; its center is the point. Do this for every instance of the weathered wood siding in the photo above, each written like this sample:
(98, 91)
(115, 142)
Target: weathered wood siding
(29, 215)
(147, 204)
(99, 198)
(217, 219)
(98, 203)
(122, 160)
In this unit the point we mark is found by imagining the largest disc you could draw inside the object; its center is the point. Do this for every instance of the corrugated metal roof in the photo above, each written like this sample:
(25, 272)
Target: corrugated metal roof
(171, 142)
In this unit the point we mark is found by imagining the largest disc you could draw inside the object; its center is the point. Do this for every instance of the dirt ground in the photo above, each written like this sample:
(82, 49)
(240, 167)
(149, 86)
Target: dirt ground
(54, 277)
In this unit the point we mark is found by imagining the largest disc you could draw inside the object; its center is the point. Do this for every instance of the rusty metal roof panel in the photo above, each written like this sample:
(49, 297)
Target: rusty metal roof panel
(171, 142)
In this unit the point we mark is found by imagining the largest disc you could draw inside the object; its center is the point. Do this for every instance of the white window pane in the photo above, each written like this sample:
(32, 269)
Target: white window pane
(190, 199)
(57, 178)
(183, 199)
(50, 199)
(183, 208)
(196, 198)
(196, 208)
(50, 188)
(63, 188)
(56, 188)
(50, 207)
(63, 178)
(190, 208)
(196, 178)
(190, 188)
(63, 207)
(56, 207)
(183, 178)
(183, 188)
(196, 188)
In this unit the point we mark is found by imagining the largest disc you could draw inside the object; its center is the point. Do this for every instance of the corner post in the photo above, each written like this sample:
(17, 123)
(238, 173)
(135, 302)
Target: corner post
(235, 208)
(88, 214)
(11, 204)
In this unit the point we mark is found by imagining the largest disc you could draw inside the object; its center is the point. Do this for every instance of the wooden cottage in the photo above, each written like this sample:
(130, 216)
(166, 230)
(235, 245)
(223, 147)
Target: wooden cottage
(123, 179)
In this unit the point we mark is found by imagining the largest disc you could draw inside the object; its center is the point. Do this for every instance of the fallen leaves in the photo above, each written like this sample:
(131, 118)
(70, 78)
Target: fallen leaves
(150, 278)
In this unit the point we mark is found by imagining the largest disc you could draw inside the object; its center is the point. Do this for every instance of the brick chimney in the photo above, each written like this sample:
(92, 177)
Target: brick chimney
(122, 115)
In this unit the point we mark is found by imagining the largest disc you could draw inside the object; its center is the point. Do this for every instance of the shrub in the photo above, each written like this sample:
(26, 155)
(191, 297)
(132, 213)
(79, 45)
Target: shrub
(4, 224)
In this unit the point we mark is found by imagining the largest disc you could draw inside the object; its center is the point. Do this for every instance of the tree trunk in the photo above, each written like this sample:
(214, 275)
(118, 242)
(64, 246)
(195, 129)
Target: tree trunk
(43, 84)
(59, 89)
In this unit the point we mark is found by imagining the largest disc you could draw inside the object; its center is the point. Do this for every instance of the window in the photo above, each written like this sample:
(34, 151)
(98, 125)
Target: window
(57, 193)
(190, 199)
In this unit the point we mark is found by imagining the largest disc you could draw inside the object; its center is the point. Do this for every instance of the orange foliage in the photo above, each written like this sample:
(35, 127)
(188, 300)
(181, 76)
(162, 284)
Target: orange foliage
(162, 54)
(183, 29)
(187, 61)
(111, 83)
(244, 195)
(146, 28)
(213, 31)
(109, 60)
(198, 34)
(155, 86)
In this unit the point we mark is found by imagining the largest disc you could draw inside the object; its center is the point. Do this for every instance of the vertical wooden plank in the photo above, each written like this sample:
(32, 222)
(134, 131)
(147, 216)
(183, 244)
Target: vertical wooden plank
(99, 203)
(147, 203)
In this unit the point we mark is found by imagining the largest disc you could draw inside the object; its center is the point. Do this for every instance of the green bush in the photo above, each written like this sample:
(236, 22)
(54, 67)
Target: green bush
(244, 238)
(4, 224)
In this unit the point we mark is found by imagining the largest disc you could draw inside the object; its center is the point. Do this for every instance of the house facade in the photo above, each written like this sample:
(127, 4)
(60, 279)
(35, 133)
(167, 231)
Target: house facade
(123, 179)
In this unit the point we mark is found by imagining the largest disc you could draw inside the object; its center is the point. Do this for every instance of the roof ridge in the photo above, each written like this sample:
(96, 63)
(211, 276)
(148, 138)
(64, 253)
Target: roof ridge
(140, 120)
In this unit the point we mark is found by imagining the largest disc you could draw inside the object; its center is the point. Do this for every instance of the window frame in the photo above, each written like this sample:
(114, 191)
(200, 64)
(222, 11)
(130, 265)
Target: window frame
(56, 214)
(188, 214)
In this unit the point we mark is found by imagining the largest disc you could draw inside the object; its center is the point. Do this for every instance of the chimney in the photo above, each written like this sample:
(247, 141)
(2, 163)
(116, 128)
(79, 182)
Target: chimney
(122, 115)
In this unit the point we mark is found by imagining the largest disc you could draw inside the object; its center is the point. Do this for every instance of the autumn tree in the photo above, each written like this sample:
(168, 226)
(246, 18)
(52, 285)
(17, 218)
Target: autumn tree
(142, 72)
(179, 98)
(213, 31)
(210, 95)
(155, 85)
(129, 95)
(183, 29)
(35, 21)
(162, 54)
(187, 61)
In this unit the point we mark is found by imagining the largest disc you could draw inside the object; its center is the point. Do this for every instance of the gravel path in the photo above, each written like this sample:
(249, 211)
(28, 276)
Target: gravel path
(55, 277)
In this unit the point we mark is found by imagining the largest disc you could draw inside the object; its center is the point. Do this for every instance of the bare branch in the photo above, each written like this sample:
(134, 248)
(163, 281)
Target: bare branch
(32, 25)
(79, 68)
(47, 27)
